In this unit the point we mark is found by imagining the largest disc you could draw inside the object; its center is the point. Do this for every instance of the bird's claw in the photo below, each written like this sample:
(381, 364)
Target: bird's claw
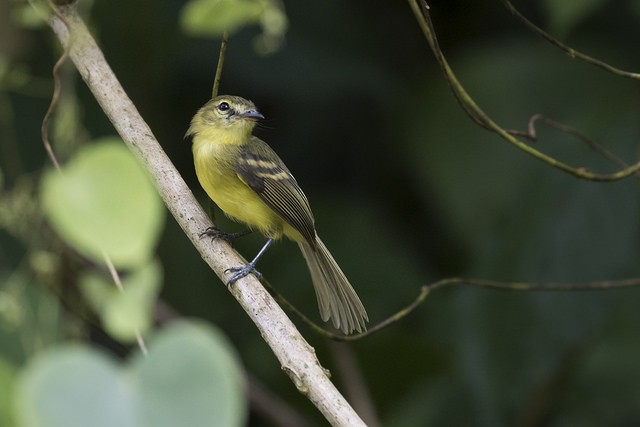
(215, 233)
(240, 272)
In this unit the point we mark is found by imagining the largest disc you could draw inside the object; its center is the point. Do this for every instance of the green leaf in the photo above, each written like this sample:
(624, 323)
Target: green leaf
(98, 291)
(128, 312)
(103, 203)
(74, 386)
(131, 311)
(190, 377)
(213, 17)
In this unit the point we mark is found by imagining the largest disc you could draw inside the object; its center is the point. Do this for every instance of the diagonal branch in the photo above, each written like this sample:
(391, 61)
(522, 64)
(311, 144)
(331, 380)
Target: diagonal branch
(296, 356)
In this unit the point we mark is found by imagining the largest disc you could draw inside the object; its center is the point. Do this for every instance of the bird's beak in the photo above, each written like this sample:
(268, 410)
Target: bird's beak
(252, 114)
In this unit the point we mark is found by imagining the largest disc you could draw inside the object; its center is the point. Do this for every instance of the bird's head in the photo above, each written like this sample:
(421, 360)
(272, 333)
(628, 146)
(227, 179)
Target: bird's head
(231, 115)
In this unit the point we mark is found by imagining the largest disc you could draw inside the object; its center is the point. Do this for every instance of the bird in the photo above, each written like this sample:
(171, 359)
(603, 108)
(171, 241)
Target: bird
(247, 180)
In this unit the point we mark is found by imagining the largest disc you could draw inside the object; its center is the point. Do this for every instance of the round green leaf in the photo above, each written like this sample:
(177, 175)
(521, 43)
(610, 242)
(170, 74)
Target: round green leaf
(97, 291)
(131, 311)
(191, 377)
(125, 313)
(103, 203)
(213, 17)
(74, 387)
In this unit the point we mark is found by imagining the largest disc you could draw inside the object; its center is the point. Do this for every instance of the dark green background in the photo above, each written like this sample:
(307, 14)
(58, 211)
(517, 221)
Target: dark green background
(407, 190)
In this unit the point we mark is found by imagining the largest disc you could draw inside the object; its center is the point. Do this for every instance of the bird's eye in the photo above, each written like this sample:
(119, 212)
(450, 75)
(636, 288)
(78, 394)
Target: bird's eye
(224, 106)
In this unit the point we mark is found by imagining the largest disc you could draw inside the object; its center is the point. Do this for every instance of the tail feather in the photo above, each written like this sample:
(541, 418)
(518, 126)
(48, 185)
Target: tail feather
(337, 300)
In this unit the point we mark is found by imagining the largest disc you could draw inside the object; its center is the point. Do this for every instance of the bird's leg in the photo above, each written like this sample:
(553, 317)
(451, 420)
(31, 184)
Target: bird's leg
(250, 268)
(216, 233)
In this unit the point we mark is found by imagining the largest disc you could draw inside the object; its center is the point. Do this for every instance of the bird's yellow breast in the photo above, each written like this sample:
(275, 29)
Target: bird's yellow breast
(215, 165)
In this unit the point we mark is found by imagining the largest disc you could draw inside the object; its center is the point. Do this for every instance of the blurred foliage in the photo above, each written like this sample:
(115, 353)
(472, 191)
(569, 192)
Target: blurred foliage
(564, 16)
(7, 385)
(124, 314)
(103, 204)
(405, 190)
(191, 376)
(214, 17)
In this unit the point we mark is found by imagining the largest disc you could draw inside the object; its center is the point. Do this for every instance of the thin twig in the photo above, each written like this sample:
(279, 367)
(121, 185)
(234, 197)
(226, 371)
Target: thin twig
(478, 283)
(221, 56)
(532, 135)
(55, 97)
(422, 14)
(116, 280)
(567, 49)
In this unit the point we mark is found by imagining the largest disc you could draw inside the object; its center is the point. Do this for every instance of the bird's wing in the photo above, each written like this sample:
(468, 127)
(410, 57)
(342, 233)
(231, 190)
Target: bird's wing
(263, 171)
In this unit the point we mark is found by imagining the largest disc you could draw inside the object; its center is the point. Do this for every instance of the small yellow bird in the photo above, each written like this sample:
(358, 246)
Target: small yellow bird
(250, 183)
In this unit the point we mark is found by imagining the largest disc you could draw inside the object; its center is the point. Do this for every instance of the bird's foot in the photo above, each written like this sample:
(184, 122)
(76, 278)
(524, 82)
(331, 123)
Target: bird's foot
(215, 233)
(240, 272)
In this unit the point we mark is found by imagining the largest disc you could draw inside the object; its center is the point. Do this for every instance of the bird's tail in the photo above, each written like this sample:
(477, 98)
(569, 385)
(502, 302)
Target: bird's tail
(336, 297)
